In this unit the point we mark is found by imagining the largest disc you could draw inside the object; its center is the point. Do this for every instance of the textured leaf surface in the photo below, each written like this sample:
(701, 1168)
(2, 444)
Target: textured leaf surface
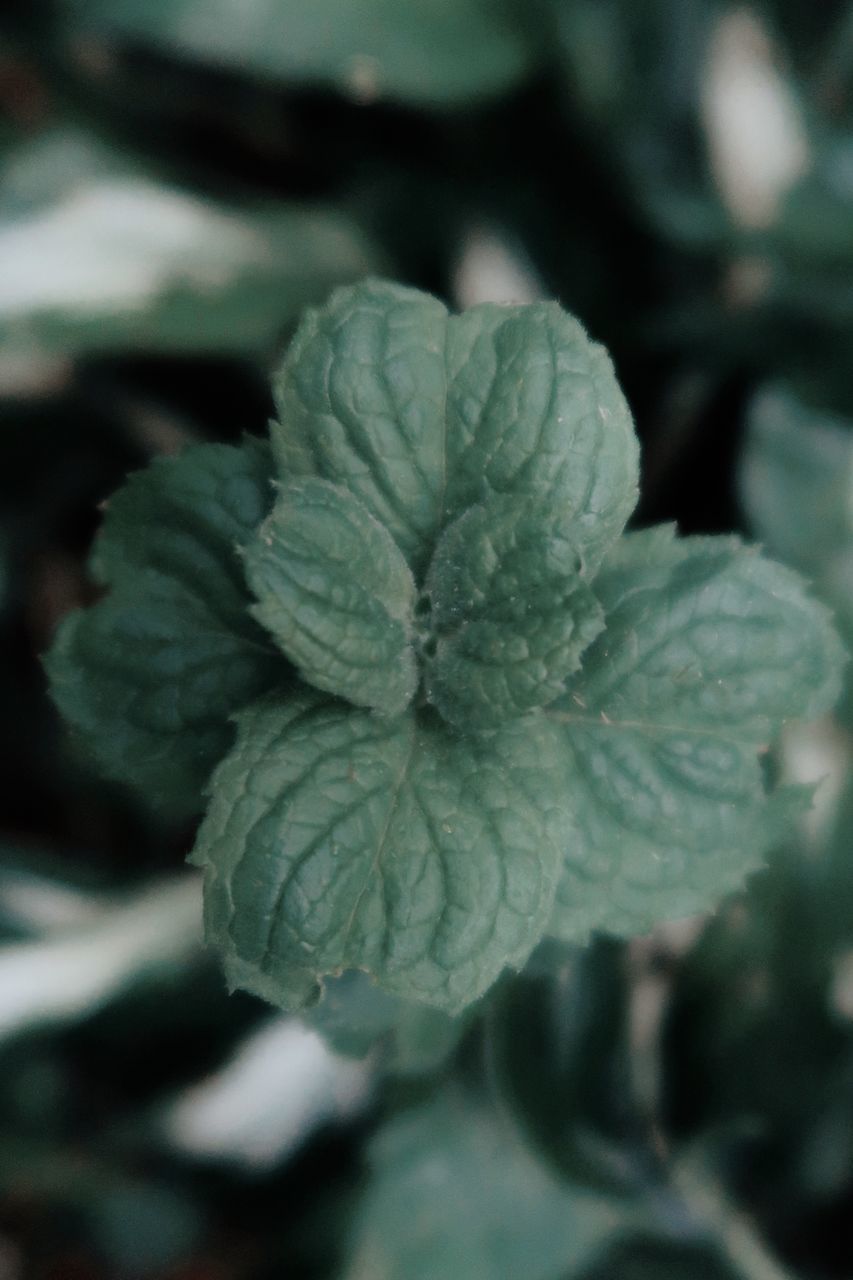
(148, 678)
(509, 612)
(336, 594)
(150, 675)
(184, 518)
(364, 48)
(336, 840)
(422, 414)
(454, 1193)
(126, 260)
(534, 410)
(708, 649)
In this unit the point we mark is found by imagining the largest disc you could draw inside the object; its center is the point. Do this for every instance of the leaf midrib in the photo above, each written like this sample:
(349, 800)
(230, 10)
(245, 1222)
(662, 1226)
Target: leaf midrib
(380, 845)
(601, 721)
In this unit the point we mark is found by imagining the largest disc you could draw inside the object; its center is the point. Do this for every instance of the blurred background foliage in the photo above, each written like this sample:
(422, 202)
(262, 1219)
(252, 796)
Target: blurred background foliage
(179, 179)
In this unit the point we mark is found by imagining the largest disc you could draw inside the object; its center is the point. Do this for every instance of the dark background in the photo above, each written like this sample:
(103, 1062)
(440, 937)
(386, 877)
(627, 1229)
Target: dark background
(678, 173)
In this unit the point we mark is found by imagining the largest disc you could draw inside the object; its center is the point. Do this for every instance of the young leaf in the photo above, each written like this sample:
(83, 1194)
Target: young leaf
(454, 1193)
(149, 676)
(708, 649)
(510, 614)
(336, 840)
(361, 402)
(534, 410)
(336, 594)
(421, 414)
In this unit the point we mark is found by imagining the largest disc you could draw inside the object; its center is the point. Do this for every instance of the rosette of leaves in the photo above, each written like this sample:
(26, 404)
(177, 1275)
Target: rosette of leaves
(451, 706)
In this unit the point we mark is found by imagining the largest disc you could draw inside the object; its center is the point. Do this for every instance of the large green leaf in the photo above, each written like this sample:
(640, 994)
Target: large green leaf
(336, 594)
(454, 1193)
(510, 614)
(432, 52)
(100, 254)
(336, 840)
(708, 649)
(422, 414)
(149, 676)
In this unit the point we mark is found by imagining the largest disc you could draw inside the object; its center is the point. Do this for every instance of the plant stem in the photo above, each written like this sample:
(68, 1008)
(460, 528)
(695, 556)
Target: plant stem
(732, 1230)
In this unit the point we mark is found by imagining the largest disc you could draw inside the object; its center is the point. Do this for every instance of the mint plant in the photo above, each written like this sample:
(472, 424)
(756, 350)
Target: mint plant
(438, 704)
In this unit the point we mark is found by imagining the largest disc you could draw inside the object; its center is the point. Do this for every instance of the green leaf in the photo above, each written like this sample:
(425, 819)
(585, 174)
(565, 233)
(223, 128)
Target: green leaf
(421, 414)
(454, 1193)
(101, 254)
(336, 840)
(797, 480)
(534, 410)
(361, 402)
(510, 614)
(149, 677)
(336, 595)
(708, 649)
(356, 1018)
(437, 52)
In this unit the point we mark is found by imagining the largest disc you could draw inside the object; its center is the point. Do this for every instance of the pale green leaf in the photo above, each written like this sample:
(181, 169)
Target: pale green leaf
(356, 1017)
(708, 649)
(336, 595)
(336, 840)
(797, 480)
(510, 614)
(149, 676)
(797, 485)
(454, 1193)
(421, 414)
(437, 52)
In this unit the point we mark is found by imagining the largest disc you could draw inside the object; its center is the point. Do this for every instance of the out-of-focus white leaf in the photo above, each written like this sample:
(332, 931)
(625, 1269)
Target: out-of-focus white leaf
(120, 244)
(756, 135)
(38, 904)
(68, 976)
(490, 268)
(98, 254)
(282, 1084)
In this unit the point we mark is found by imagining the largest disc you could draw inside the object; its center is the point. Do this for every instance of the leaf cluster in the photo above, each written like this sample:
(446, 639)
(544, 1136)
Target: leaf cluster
(487, 715)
